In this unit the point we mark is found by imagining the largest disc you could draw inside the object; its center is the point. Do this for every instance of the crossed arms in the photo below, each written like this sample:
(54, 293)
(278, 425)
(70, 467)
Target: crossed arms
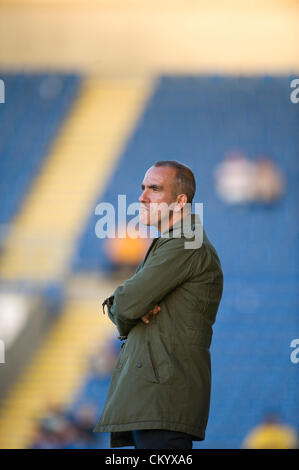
(139, 297)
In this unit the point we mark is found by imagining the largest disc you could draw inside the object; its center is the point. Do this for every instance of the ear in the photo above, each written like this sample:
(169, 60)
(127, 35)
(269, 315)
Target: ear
(181, 201)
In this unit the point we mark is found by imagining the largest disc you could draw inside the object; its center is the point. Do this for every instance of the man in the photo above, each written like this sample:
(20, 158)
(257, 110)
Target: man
(159, 395)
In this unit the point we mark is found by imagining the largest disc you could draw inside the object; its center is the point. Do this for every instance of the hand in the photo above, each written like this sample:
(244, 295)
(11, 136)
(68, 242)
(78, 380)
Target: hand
(146, 318)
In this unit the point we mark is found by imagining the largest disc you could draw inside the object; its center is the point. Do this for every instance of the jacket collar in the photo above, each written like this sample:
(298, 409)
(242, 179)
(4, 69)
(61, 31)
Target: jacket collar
(185, 226)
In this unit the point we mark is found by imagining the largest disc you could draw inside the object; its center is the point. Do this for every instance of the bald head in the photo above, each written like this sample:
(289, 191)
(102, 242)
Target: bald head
(183, 181)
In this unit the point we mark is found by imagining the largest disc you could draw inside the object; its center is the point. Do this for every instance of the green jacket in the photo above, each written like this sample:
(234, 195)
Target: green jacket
(162, 379)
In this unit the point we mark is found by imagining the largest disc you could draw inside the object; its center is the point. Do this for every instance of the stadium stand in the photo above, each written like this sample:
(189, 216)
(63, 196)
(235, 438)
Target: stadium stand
(68, 142)
(198, 120)
(35, 107)
(39, 243)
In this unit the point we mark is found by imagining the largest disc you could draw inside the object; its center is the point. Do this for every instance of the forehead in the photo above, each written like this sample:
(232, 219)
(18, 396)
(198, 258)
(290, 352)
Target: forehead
(159, 175)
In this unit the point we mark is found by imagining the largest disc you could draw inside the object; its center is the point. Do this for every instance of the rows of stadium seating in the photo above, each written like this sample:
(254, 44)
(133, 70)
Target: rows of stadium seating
(196, 120)
(35, 107)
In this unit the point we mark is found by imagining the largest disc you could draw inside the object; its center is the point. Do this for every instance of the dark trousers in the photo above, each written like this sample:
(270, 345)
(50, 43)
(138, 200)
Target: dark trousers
(161, 439)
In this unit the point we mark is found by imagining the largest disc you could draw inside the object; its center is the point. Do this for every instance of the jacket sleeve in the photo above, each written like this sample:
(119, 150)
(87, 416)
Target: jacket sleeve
(121, 325)
(168, 267)
(108, 302)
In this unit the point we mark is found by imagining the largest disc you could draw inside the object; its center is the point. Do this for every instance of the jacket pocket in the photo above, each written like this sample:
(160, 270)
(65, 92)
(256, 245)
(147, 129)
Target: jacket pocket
(155, 377)
(121, 357)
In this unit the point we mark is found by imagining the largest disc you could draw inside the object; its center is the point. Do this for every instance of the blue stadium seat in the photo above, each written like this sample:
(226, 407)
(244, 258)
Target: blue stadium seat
(34, 109)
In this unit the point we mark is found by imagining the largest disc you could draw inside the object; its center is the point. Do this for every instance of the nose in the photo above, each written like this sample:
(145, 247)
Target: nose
(143, 198)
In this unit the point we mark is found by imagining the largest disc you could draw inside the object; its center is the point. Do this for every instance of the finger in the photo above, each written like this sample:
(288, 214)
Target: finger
(145, 318)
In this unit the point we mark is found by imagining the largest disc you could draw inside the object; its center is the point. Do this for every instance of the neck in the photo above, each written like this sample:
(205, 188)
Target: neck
(164, 225)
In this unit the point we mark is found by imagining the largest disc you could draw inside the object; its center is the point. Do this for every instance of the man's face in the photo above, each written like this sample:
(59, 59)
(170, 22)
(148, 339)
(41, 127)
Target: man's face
(157, 188)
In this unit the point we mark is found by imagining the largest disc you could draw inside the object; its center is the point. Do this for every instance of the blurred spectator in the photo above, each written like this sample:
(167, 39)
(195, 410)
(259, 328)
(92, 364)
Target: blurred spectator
(44, 439)
(50, 428)
(268, 181)
(85, 418)
(235, 179)
(241, 180)
(59, 429)
(126, 253)
(271, 434)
